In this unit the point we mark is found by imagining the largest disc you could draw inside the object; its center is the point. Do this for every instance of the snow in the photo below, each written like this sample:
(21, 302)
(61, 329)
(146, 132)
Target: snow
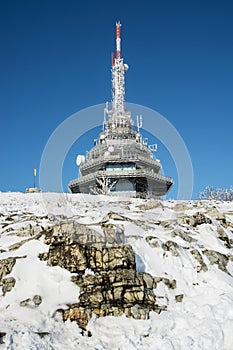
(203, 320)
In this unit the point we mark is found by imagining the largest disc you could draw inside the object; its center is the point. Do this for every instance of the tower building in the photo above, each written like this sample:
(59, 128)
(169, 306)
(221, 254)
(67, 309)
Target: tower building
(121, 162)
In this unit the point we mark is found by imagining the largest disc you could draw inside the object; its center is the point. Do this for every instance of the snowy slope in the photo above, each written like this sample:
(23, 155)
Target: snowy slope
(186, 241)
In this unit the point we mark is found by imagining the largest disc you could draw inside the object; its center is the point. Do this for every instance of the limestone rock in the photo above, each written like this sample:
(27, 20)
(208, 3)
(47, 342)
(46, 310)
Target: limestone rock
(37, 300)
(217, 258)
(150, 204)
(183, 235)
(171, 246)
(113, 287)
(139, 313)
(196, 219)
(224, 237)
(6, 266)
(114, 216)
(33, 302)
(217, 215)
(199, 258)
(152, 241)
(113, 233)
(179, 298)
(181, 207)
(25, 302)
(110, 258)
(8, 284)
(79, 314)
(71, 257)
(169, 283)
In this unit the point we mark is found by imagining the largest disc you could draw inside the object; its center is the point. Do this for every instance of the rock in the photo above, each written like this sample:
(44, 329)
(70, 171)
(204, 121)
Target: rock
(19, 244)
(150, 204)
(152, 241)
(79, 314)
(224, 237)
(199, 258)
(158, 308)
(196, 219)
(42, 334)
(183, 235)
(217, 258)
(69, 232)
(114, 216)
(148, 279)
(25, 302)
(110, 258)
(2, 336)
(133, 296)
(165, 223)
(6, 266)
(8, 284)
(113, 234)
(10, 218)
(170, 284)
(181, 207)
(114, 287)
(171, 246)
(71, 257)
(139, 313)
(37, 300)
(179, 298)
(217, 215)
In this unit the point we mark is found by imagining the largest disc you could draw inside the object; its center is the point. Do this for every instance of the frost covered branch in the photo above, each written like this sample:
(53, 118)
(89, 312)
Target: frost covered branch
(221, 194)
(103, 185)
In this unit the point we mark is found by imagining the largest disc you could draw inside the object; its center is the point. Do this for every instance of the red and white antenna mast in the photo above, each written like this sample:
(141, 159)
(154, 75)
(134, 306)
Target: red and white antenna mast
(118, 110)
(118, 40)
(118, 75)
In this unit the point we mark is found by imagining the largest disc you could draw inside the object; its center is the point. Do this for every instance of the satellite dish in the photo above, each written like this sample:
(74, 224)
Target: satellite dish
(110, 149)
(126, 67)
(80, 159)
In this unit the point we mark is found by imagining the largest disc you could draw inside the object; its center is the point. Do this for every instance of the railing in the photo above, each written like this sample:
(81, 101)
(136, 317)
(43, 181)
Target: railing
(121, 174)
(115, 157)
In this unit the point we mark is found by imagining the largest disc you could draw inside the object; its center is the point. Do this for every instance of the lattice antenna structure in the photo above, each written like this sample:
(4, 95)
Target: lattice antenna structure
(118, 113)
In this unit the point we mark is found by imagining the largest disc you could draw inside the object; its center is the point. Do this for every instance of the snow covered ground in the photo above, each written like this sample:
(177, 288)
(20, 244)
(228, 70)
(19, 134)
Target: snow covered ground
(171, 240)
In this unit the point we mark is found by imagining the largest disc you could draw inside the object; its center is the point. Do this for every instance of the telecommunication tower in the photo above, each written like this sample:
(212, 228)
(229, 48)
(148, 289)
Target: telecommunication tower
(121, 162)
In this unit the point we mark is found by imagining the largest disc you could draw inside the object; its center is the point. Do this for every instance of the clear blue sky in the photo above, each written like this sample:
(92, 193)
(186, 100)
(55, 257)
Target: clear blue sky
(55, 60)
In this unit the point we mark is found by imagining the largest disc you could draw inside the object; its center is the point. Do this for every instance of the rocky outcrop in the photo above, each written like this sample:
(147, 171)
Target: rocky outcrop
(70, 231)
(196, 254)
(107, 277)
(183, 235)
(8, 284)
(217, 258)
(195, 219)
(112, 292)
(6, 266)
(171, 247)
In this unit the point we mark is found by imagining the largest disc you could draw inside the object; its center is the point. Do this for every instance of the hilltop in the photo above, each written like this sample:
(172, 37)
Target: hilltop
(99, 272)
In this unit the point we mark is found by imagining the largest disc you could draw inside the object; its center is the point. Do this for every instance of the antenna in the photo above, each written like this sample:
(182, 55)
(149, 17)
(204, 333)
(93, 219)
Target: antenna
(139, 122)
(34, 173)
(153, 148)
(118, 40)
(80, 160)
